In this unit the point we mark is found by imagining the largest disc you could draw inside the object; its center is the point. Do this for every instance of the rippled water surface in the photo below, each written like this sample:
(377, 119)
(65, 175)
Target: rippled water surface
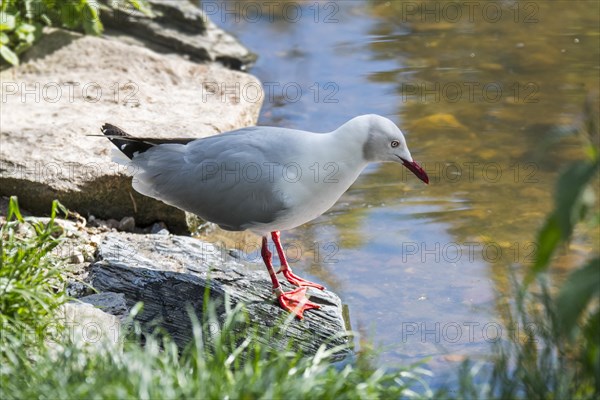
(481, 92)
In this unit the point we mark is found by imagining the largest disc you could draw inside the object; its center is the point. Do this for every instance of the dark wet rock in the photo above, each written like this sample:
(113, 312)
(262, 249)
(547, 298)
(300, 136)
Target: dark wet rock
(181, 27)
(168, 273)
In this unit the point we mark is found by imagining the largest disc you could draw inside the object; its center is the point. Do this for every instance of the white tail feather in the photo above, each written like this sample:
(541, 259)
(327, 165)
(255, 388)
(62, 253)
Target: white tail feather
(120, 158)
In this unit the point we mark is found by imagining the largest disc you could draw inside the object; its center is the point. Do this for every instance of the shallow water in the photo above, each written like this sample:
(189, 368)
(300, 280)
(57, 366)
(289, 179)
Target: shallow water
(480, 91)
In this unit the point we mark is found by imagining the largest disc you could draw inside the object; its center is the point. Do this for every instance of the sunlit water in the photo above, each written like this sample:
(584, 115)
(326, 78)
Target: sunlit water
(480, 93)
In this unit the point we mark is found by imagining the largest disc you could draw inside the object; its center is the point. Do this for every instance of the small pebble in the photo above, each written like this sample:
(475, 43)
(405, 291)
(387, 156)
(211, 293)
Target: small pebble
(112, 223)
(127, 224)
(76, 258)
(235, 253)
(77, 289)
(159, 228)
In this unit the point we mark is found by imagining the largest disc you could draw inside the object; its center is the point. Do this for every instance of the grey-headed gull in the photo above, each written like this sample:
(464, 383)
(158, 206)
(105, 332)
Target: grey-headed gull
(264, 179)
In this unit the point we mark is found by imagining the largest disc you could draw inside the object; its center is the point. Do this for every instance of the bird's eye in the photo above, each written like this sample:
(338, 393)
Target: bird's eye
(395, 143)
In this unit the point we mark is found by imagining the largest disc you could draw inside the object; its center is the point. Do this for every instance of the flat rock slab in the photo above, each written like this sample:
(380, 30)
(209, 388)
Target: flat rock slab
(167, 273)
(69, 85)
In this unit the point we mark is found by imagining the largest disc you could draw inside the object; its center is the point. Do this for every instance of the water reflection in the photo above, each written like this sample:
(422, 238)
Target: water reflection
(488, 90)
(479, 100)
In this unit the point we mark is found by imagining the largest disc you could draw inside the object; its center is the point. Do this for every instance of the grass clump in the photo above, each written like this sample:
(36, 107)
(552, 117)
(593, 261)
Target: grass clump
(31, 284)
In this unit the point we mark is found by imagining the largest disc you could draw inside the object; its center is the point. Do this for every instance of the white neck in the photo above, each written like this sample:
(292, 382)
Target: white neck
(348, 142)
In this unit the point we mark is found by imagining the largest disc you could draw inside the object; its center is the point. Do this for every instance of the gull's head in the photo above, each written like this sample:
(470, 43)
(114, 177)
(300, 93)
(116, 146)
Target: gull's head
(385, 142)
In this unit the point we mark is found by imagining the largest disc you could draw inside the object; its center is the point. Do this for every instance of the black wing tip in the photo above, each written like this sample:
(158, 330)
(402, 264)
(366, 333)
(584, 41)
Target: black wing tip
(130, 145)
(127, 144)
(112, 130)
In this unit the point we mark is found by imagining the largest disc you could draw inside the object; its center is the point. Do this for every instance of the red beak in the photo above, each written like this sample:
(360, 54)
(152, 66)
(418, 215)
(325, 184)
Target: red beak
(416, 169)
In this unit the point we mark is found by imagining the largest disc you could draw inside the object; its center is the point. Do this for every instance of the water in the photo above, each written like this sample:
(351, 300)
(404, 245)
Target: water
(480, 93)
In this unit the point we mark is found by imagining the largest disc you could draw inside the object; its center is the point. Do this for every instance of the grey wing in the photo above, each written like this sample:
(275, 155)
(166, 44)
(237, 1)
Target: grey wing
(221, 179)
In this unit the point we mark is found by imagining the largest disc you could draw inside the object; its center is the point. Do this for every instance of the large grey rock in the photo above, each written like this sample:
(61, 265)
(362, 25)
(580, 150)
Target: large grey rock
(179, 26)
(167, 273)
(69, 85)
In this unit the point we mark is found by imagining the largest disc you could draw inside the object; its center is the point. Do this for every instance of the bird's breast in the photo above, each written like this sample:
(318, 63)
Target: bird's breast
(310, 192)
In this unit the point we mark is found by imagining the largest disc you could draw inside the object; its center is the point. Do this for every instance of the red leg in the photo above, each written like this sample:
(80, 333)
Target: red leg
(285, 268)
(294, 301)
(267, 256)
